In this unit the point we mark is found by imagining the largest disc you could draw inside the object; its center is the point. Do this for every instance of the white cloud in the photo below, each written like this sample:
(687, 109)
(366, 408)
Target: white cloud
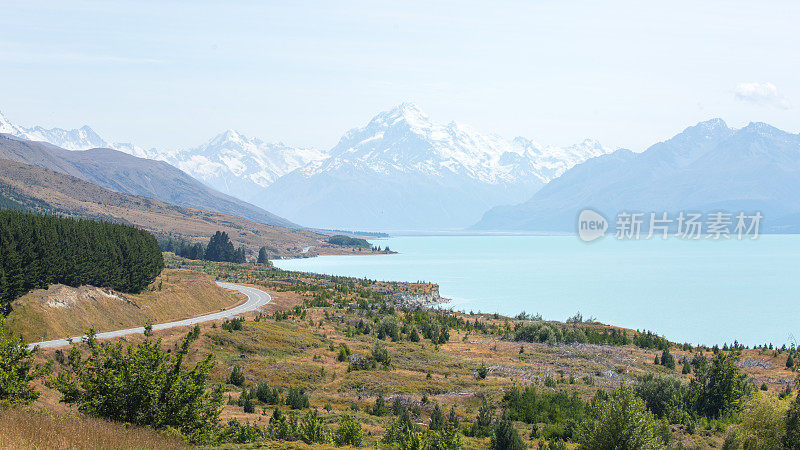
(765, 94)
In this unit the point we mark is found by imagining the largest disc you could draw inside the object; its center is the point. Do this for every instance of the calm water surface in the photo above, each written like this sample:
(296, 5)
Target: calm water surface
(695, 291)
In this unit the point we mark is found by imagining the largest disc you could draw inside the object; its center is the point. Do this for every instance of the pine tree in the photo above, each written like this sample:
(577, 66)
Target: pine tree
(218, 247)
(239, 256)
(263, 258)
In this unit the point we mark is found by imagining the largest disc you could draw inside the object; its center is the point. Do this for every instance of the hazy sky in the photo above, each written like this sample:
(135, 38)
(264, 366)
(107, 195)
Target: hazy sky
(173, 74)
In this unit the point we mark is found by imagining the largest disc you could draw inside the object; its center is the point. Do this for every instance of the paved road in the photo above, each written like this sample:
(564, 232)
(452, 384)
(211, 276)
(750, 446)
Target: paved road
(256, 298)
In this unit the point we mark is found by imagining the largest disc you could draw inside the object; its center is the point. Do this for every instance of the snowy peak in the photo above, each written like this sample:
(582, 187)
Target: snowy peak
(405, 114)
(240, 165)
(77, 139)
(764, 129)
(9, 128)
(230, 136)
(82, 138)
(405, 139)
(404, 170)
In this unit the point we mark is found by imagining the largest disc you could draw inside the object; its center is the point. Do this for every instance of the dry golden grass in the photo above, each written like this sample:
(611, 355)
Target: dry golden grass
(62, 311)
(34, 430)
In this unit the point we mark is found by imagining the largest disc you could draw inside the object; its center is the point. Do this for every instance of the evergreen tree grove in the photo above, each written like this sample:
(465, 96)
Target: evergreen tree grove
(38, 250)
(220, 248)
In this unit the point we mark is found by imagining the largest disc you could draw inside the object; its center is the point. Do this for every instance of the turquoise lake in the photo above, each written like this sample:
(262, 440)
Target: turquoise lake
(705, 291)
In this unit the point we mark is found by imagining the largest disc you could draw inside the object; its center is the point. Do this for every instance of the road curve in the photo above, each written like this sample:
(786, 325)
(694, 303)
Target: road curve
(256, 298)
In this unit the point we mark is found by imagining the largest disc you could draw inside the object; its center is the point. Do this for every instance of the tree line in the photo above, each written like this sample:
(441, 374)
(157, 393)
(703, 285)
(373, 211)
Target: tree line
(38, 250)
(219, 248)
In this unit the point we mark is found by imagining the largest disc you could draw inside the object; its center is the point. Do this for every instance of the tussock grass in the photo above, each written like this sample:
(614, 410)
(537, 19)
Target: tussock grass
(373, 382)
(264, 338)
(35, 430)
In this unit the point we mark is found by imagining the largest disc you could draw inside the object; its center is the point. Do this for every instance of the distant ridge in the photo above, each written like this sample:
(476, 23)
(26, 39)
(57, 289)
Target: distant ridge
(706, 168)
(128, 174)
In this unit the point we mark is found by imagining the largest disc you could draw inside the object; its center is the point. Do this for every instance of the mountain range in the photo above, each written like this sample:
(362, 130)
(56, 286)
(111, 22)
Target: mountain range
(400, 171)
(404, 171)
(706, 168)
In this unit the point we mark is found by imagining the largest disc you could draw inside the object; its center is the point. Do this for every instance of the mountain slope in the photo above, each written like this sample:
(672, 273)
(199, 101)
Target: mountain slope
(32, 187)
(707, 167)
(128, 174)
(403, 171)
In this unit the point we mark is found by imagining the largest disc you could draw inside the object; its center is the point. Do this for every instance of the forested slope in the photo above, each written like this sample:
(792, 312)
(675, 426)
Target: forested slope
(38, 250)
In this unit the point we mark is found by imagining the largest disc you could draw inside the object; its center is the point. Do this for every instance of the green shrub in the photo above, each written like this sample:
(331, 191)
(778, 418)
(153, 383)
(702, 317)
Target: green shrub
(296, 398)
(388, 326)
(792, 425)
(344, 352)
(379, 409)
(667, 360)
(248, 406)
(657, 392)
(403, 433)
(529, 405)
(267, 395)
(506, 437)
(349, 432)
(380, 354)
(482, 371)
(17, 369)
(620, 421)
(718, 388)
(313, 430)
(143, 385)
(236, 432)
(283, 427)
(234, 324)
(482, 426)
(763, 423)
(236, 377)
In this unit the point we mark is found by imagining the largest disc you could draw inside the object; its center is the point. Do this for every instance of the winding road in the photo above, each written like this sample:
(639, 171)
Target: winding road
(256, 298)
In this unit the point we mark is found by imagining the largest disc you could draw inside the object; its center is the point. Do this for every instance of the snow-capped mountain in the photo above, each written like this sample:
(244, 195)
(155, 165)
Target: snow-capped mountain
(404, 171)
(239, 165)
(230, 162)
(78, 139)
(552, 161)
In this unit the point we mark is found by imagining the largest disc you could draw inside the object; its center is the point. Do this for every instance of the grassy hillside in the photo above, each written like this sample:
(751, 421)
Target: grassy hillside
(43, 429)
(62, 311)
(35, 188)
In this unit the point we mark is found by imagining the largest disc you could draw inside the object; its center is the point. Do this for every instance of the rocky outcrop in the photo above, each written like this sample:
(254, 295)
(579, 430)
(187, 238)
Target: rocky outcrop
(426, 299)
